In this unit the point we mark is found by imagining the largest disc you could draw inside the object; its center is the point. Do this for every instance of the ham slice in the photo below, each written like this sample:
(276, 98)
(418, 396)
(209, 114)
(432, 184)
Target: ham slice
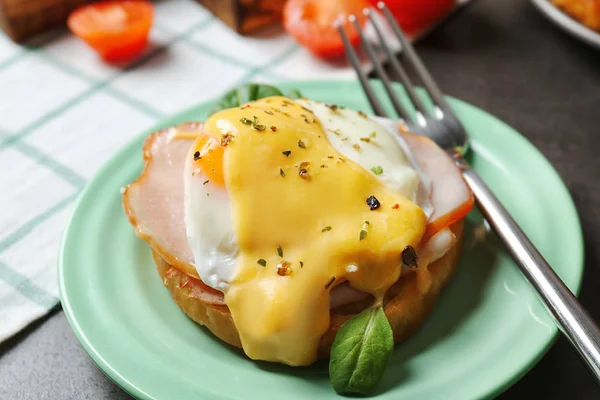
(450, 196)
(154, 203)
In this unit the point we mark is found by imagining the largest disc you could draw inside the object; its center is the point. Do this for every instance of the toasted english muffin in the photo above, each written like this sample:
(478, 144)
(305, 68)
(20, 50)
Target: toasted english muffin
(407, 305)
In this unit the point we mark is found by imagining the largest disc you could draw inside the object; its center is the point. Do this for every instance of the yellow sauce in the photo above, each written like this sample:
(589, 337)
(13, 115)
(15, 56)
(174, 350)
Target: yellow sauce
(281, 310)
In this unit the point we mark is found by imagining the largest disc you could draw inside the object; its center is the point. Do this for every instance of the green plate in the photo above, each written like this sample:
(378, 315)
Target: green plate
(486, 331)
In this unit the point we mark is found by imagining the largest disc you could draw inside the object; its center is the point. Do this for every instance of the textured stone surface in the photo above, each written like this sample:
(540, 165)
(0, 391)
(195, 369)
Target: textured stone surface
(501, 56)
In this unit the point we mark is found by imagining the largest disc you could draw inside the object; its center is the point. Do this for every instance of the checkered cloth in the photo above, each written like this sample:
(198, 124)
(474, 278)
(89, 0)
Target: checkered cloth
(63, 113)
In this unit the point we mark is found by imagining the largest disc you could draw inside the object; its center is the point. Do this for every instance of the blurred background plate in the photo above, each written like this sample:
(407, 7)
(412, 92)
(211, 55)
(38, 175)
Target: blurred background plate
(567, 23)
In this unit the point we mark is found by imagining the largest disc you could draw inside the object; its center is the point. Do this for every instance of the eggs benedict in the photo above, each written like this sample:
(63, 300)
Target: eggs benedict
(275, 222)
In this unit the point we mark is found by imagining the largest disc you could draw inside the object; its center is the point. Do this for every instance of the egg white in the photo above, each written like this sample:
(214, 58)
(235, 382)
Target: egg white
(367, 141)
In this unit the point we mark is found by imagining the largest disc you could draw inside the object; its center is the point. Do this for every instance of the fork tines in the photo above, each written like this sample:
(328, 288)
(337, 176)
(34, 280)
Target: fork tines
(410, 57)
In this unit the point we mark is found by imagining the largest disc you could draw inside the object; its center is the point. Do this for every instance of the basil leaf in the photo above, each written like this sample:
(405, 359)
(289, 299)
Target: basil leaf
(293, 94)
(360, 352)
(249, 92)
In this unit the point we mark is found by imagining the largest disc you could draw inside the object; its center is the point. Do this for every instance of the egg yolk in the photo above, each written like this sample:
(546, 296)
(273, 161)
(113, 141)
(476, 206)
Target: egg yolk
(208, 157)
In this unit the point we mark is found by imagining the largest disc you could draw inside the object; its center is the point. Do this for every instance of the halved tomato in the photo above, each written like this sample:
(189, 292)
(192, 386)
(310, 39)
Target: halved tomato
(414, 16)
(117, 30)
(312, 24)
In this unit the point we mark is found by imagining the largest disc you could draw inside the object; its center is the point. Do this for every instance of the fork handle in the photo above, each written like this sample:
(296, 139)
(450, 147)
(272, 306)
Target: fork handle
(569, 314)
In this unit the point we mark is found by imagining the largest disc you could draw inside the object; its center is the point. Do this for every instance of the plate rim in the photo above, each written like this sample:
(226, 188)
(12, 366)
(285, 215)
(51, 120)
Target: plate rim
(568, 23)
(132, 389)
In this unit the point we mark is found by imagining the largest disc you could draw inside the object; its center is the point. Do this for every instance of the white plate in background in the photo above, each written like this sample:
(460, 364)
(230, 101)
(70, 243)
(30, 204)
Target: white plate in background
(570, 25)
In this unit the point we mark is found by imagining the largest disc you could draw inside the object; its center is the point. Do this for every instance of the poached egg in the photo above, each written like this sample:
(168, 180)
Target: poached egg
(286, 199)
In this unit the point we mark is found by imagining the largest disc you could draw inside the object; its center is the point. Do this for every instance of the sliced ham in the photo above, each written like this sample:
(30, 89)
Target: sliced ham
(154, 202)
(450, 196)
(155, 206)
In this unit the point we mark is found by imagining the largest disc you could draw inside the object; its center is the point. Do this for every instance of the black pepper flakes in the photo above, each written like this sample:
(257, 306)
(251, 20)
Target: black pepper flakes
(259, 127)
(328, 285)
(327, 228)
(205, 182)
(409, 257)
(197, 156)
(332, 107)
(303, 172)
(280, 251)
(281, 172)
(262, 262)
(245, 121)
(301, 144)
(301, 264)
(373, 203)
(286, 153)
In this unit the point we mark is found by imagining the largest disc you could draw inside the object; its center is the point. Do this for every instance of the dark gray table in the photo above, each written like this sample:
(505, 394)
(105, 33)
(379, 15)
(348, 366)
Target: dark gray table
(501, 56)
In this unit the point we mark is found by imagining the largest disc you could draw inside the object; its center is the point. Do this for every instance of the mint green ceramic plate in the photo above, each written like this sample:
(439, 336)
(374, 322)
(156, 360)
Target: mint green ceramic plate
(487, 329)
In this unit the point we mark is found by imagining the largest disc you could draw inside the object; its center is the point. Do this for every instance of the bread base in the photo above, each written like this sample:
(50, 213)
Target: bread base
(405, 304)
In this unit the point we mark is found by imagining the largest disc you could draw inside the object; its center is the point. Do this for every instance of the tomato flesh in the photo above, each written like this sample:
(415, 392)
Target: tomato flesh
(312, 24)
(116, 30)
(415, 16)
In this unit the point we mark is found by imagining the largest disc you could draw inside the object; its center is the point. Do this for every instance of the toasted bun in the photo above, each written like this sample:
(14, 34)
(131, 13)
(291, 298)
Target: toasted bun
(406, 305)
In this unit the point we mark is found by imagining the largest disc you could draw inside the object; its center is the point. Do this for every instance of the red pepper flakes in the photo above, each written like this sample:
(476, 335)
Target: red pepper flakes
(284, 268)
(396, 206)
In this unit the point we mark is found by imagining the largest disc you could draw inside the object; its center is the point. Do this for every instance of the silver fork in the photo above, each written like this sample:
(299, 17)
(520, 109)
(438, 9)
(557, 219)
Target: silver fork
(443, 127)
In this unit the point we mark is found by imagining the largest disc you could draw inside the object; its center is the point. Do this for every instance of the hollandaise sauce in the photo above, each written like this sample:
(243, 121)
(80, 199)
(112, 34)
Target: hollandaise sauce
(306, 219)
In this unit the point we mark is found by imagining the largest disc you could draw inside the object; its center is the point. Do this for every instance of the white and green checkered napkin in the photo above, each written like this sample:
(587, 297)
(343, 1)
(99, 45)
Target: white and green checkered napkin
(63, 113)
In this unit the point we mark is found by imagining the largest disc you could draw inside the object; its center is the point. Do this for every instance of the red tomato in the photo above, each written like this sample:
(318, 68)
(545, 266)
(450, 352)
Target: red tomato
(117, 30)
(311, 23)
(414, 16)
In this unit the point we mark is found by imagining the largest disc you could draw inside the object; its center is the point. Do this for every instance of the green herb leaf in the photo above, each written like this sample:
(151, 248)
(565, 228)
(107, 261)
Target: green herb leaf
(250, 92)
(281, 173)
(327, 228)
(245, 121)
(286, 153)
(301, 144)
(292, 94)
(280, 251)
(360, 352)
(377, 170)
(262, 262)
(363, 234)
